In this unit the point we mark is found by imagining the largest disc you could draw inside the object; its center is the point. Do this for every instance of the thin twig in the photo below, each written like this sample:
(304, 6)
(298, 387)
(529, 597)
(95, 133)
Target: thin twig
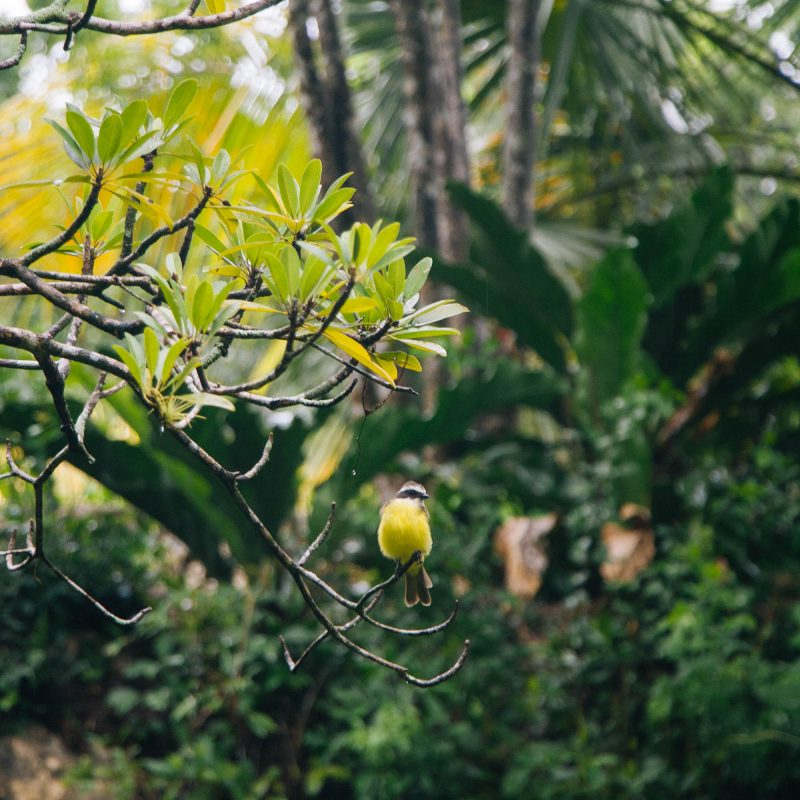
(260, 464)
(320, 538)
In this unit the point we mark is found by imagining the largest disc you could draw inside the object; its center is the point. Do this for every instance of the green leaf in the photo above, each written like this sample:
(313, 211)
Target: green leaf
(315, 272)
(397, 277)
(419, 332)
(182, 95)
(167, 359)
(151, 349)
(280, 278)
(205, 399)
(132, 117)
(443, 309)
(417, 277)
(220, 166)
(419, 344)
(288, 190)
(130, 362)
(215, 6)
(217, 301)
(201, 305)
(72, 148)
(140, 146)
(403, 360)
(101, 222)
(357, 351)
(385, 293)
(611, 320)
(108, 139)
(383, 240)
(358, 305)
(309, 185)
(209, 238)
(293, 269)
(82, 131)
(333, 204)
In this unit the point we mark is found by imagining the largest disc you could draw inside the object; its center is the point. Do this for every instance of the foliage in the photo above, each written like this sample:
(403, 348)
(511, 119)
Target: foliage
(181, 319)
(680, 683)
(666, 375)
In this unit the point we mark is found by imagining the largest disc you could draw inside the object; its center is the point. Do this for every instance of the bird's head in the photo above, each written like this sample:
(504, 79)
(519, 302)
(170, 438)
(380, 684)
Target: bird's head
(411, 490)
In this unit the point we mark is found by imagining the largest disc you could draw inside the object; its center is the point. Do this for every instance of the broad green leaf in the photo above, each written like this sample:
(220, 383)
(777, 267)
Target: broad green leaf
(288, 190)
(425, 330)
(385, 293)
(82, 131)
(220, 166)
(293, 269)
(425, 347)
(101, 222)
(130, 362)
(108, 139)
(151, 348)
(72, 148)
(216, 303)
(280, 278)
(182, 95)
(387, 364)
(309, 185)
(250, 305)
(168, 357)
(141, 146)
(396, 275)
(443, 309)
(315, 272)
(133, 116)
(201, 304)
(206, 399)
(357, 351)
(333, 204)
(417, 277)
(358, 305)
(403, 360)
(382, 242)
(611, 317)
(209, 238)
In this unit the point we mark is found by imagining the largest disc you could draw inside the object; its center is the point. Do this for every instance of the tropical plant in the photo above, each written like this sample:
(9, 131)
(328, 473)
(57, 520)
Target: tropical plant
(339, 294)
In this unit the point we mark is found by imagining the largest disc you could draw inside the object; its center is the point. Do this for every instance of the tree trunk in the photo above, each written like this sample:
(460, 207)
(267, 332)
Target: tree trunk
(519, 150)
(340, 119)
(435, 119)
(327, 102)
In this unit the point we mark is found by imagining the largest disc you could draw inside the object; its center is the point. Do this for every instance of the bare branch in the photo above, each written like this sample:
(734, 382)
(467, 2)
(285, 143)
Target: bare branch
(321, 536)
(12, 61)
(94, 601)
(260, 464)
(17, 363)
(295, 663)
(12, 550)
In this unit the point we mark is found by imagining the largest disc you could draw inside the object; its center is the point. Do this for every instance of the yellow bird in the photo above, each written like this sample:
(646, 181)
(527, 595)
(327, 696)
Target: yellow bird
(404, 530)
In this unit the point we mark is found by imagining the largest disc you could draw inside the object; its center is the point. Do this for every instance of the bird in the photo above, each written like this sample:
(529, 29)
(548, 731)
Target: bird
(404, 530)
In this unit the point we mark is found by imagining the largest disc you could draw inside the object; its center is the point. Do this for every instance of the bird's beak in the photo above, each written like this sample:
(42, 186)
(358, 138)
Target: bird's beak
(426, 496)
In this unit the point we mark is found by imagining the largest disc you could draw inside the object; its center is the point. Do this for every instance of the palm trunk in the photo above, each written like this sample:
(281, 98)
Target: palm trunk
(519, 149)
(327, 102)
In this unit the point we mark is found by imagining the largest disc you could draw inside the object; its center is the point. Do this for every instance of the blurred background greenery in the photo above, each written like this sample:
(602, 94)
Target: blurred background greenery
(611, 447)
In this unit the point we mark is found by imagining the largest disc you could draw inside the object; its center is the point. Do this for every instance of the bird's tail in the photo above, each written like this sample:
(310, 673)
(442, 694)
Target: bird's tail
(418, 582)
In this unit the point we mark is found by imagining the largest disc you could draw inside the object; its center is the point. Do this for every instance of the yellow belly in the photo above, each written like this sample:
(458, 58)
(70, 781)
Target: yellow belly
(404, 529)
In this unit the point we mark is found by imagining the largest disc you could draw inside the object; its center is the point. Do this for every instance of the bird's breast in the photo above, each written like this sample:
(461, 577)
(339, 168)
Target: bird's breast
(403, 530)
